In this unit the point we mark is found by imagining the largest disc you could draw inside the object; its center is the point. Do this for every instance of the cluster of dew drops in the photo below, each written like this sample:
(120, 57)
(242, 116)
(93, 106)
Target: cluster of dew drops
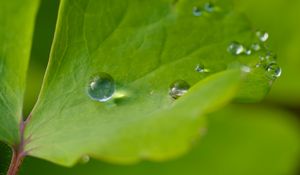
(267, 59)
(102, 86)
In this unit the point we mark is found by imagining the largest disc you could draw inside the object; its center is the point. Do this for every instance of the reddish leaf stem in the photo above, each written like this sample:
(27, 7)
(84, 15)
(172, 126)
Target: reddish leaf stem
(18, 153)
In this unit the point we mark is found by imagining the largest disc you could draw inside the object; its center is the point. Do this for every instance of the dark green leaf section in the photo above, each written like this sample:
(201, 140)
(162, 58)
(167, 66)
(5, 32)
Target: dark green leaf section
(16, 21)
(144, 46)
(239, 140)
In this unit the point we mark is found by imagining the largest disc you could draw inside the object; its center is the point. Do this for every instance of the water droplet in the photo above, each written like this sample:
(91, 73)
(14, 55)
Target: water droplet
(246, 69)
(201, 69)
(209, 7)
(236, 48)
(197, 11)
(84, 159)
(262, 58)
(178, 88)
(262, 36)
(248, 52)
(271, 56)
(101, 87)
(273, 70)
(263, 62)
(256, 46)
(266, 59)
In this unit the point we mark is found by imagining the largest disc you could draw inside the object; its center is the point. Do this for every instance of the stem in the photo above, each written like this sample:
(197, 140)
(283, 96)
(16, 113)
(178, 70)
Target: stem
(18, 153)
(15, 163)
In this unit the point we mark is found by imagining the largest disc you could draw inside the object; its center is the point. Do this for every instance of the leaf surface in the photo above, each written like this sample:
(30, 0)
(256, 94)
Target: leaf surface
(16, 21)
(144, 46)
(240, 140)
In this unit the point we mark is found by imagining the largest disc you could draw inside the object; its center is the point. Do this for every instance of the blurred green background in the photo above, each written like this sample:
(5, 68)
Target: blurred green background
(260, 139)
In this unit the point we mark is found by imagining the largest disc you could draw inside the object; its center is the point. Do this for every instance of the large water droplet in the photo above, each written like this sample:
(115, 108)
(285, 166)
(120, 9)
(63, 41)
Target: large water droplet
(197, 11)
(101, 87)
(201, 68)
(178, 88)
(273, 70)
(236, 48)
(209, 7)
(262, 36)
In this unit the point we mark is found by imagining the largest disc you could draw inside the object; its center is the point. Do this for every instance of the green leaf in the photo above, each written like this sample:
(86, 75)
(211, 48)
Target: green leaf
(239, 140)
(126, 135)
(16, 21)
(144, 46)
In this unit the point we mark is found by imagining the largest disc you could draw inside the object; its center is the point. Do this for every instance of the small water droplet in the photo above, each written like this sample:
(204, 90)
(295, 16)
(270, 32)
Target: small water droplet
(248, 52)
(236, 48)
(256, 46)
(263, 62)
(178, 88)
(273, 70)
(262, 36)
(209, 7)
(201, 69)
(246, 69)
(85, 159)
(271, 56)
(262, 58)
(266, 59)
(101, 87)
(197, 11)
